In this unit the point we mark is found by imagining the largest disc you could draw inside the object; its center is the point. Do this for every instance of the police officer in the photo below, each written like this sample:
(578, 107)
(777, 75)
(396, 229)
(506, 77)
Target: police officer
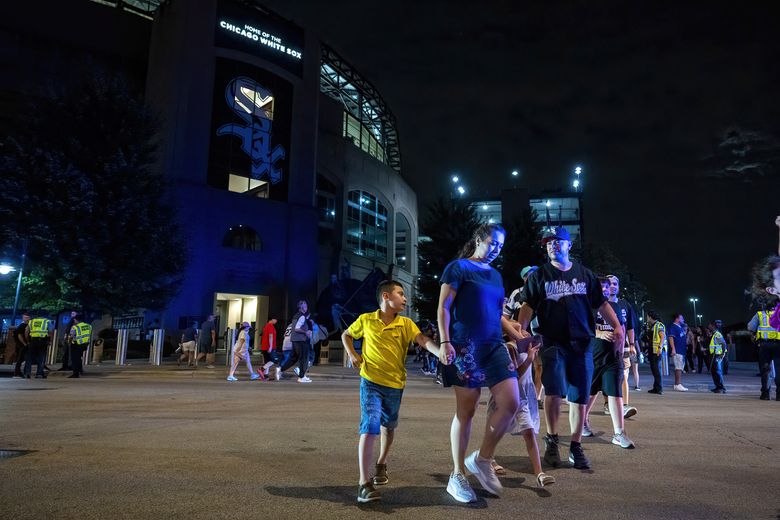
(80, 334)
(38, 334)
(768, 340)
(656, 350)
(718, 350)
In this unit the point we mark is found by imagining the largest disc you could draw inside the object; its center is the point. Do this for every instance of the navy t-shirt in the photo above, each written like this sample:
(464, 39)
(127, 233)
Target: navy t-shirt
(680, 339)
(628, 315)
(564, 301)
(476, 311)
(602, 325)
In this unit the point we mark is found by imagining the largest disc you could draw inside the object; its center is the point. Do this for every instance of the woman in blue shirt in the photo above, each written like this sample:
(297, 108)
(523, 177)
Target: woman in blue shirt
(472, 348)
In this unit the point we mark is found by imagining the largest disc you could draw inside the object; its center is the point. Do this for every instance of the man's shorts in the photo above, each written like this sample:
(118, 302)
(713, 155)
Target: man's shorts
(679, 362)
(208, 348)
(567, 369)
(626, 360)
(188, 346)
(479, 365)
(607, 370)
(379, 406)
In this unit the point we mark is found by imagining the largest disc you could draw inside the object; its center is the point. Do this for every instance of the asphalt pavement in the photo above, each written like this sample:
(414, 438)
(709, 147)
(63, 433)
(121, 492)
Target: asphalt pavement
(170, 442)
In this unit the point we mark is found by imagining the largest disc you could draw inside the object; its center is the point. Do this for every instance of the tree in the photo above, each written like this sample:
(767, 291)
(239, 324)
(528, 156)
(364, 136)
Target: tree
(447, 226)
(522, 247)
(79, 182)
(601, 259)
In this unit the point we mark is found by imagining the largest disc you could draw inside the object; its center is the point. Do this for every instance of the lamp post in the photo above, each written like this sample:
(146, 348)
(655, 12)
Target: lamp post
(699, 317)
(693, 301)
(6, 269)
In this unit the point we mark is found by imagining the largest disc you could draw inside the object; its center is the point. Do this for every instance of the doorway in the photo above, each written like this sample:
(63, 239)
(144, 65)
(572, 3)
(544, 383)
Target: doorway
(233, 309)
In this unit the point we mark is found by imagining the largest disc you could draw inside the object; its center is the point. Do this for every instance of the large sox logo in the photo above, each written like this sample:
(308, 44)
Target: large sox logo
(254, 104)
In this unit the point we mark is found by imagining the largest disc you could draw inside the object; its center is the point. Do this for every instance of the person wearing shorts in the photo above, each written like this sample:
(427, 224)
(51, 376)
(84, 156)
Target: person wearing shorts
(678, 342)
(608, 374)
(386, 336)
(627, 316)
(563, 294)
(474, 356)
(207, 341)
(188, 338)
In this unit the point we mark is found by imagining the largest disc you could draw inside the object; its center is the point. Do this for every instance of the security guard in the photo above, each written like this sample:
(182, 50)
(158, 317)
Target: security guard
(718, 350)
(38, 334)
(657, 348)
(80, 333)
(768, 340)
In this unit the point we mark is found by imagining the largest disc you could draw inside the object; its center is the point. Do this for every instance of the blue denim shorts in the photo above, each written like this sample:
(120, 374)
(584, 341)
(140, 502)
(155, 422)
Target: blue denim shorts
(567, 369)
(379, 406)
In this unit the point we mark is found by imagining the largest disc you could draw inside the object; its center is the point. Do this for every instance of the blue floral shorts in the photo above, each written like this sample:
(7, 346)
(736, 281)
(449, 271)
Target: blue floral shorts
(479, 365)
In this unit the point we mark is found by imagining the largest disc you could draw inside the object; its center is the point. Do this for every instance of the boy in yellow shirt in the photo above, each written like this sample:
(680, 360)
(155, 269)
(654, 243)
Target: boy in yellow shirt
(386, 337)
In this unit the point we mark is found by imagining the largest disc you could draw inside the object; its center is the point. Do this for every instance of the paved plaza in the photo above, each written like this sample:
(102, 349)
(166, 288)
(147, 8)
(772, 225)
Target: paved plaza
(165, 442)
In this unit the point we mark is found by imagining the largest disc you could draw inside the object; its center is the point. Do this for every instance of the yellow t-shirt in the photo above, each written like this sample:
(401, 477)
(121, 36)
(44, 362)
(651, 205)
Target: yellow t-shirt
(384, 347)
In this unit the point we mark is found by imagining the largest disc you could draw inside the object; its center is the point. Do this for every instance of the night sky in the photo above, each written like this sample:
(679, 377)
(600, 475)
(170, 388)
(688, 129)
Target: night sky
(672, 111)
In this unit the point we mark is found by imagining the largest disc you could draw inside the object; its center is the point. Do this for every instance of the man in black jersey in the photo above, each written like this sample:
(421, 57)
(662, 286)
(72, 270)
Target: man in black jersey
(563, 294)
(608, 373)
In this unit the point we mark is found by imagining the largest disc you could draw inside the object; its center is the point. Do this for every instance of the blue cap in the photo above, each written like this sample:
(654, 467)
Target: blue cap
(553, 233)
(527, 270)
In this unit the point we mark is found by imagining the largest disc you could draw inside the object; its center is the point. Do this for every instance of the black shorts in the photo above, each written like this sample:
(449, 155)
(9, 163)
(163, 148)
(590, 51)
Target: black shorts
(208, 348)
(607, 370)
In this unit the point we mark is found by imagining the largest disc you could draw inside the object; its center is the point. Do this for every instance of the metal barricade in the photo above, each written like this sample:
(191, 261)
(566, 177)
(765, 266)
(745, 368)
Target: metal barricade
(87, 354)
(121, 346)
(156, 347)
(230, 335)
(665, 362)
(51, 352)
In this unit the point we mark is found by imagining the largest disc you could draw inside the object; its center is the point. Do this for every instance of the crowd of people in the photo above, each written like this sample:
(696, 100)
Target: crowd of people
(587, 340)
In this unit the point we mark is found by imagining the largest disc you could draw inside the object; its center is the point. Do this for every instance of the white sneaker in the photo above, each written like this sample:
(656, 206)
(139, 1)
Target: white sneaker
(304, 379)
(460, 489)
(278, 373)
(680, 388)
(586, 431)
(629, 411)
(622, 440)
(483, 470)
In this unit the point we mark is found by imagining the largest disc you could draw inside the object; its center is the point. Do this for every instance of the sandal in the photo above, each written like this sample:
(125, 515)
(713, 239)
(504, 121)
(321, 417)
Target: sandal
(498, 468)
(543, 479)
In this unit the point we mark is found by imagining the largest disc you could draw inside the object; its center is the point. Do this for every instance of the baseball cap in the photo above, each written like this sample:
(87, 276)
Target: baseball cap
(527, 270)
(553, 233)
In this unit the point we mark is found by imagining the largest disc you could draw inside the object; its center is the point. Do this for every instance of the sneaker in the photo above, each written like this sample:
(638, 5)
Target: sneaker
(460, 489)
(577, 457)
(21, 376)
(254, 376)
(304, 379)
(680, 388)
(654, 391)
(629, 411)
(543, 479)
(367, 493)
(606, 410)
(278, 373)
(380, 475)
(764, 394)
(232, 378)
(425, 372)
(622, 440)
(209, 366)
(586, 431)
(637, 388)
(483, 470)
(297, 371)
(498, 468)
(552, 455)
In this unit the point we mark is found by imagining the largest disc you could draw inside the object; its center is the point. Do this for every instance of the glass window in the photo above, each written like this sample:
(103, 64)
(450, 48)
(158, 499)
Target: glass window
(366, 225)
(402, 242)
(242, 237)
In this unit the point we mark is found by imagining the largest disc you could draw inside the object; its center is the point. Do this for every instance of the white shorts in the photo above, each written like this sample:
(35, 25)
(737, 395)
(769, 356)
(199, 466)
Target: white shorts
(188, 346)
(679, 362)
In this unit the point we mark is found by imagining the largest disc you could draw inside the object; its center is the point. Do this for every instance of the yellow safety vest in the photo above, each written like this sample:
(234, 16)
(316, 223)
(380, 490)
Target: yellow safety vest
(764, 331)
(39, 328)
(715, 346)
(83, 332)
(658, 345)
